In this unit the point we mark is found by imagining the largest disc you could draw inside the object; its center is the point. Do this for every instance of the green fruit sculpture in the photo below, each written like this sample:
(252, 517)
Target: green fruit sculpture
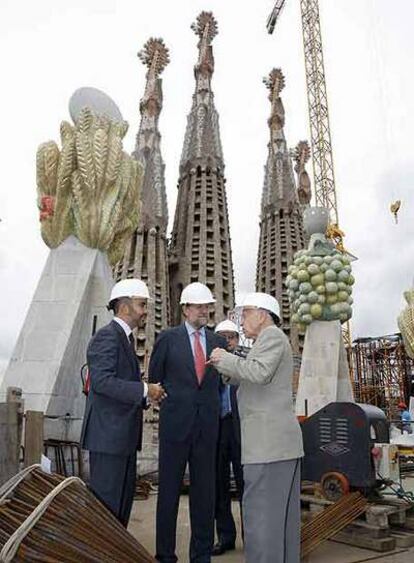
(320, 287)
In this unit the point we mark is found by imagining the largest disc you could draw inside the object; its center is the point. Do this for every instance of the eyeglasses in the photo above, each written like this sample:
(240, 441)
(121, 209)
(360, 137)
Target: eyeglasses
(234, 336)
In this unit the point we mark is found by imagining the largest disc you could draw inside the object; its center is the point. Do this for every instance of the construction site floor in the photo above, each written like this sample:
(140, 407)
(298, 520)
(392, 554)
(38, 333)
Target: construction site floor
(142, 526)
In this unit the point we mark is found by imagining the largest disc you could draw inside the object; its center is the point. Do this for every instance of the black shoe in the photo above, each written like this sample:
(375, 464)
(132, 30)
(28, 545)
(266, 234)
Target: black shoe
(221, 548)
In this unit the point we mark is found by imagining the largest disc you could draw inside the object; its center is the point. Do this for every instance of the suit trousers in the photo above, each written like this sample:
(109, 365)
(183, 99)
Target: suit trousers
(228, 455)
(271, 512)
(200, 453)
(112, 480)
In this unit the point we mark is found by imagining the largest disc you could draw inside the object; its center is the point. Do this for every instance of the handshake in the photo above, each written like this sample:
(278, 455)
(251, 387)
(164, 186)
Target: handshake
(156, 392)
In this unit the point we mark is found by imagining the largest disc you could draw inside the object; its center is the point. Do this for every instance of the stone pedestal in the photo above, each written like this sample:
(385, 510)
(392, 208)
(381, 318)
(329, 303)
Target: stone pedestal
(69, 301)
(324, 374)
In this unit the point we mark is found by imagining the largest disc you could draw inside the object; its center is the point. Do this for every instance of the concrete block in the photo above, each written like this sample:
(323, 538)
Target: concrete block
(324, 374)
(51, 348)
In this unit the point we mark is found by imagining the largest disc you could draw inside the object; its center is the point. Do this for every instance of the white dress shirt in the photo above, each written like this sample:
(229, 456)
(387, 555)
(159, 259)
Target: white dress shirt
(127, 329)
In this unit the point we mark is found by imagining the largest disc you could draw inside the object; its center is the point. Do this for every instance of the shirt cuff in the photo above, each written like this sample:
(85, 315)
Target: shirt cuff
(145, 389)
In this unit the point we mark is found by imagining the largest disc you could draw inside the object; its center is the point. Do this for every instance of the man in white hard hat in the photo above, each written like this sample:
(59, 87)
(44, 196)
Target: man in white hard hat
(228, 451)
(271, 436)
(112, 425)
(188, 425)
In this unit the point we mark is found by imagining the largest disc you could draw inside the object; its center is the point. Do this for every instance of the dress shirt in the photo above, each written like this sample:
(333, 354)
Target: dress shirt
(128, 331)
(202, 331)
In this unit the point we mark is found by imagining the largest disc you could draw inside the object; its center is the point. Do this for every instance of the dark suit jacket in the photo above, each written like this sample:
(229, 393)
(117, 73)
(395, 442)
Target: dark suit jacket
(235, 412)
(113, 416)
(187, 402)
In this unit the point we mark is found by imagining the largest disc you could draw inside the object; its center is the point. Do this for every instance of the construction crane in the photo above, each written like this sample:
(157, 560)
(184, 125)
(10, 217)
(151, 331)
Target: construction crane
(321, 145)
(320, 133)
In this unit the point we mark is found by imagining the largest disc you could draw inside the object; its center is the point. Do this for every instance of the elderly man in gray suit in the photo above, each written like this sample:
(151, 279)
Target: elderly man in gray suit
(271, 436)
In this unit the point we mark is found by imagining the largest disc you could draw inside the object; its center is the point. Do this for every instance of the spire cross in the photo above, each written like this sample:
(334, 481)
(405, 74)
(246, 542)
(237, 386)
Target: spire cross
(152, 71)
(155, 56)
(275, 82)
(204, 43)
(206, 28)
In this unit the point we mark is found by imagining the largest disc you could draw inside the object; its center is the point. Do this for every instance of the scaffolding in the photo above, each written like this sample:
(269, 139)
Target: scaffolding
(383, 373)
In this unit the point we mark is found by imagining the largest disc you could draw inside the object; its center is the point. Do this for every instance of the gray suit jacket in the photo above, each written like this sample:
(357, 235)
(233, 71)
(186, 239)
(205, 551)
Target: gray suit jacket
(269, 428)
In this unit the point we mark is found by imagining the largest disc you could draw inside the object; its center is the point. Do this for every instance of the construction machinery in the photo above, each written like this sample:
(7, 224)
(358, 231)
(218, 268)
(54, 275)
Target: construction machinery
(347, 447)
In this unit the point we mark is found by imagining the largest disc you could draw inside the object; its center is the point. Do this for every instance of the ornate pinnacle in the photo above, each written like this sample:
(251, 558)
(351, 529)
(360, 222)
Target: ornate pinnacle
(275, 82)
(155, 56)
(301, 155)
(205, 27)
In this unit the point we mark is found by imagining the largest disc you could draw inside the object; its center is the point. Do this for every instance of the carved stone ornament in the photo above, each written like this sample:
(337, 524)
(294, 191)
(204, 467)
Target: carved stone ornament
(90, 188)
(406, 323)
(320, 279)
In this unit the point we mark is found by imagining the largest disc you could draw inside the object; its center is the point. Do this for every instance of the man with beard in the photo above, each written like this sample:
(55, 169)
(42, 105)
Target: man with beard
(188, 425)
(112, 425)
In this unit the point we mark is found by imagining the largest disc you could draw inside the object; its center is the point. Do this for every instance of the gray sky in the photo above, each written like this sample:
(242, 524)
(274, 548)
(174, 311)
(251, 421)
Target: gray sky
(52, 47)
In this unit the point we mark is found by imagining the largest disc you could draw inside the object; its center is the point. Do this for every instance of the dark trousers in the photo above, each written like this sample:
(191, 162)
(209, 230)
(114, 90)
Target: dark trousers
(228, 453)
(200, 453)
(112, 480)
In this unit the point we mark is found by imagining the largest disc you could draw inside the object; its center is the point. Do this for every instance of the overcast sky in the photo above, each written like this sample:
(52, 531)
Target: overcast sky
(51, 47)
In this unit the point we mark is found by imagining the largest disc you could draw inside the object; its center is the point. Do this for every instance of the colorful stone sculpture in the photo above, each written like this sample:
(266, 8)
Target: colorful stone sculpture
(89, 188)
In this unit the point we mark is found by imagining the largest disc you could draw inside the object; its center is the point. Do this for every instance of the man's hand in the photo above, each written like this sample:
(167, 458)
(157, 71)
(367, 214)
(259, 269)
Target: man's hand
(216, 355)
(156, 392)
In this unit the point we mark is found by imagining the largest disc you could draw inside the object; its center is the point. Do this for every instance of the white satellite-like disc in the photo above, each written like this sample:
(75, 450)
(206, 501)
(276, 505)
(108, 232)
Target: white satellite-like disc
(96, 100)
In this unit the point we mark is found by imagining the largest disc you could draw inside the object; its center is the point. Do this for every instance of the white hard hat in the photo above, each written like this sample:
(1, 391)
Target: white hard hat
(131, 287)
(196, 293)
(227, 326)
(261, 301)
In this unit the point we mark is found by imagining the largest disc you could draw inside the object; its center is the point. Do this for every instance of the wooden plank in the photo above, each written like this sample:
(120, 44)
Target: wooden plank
(33, 437)
(409, 522)
(366, 541)
(9, 440)
(363, 527)
(14, 395)
(402, 538)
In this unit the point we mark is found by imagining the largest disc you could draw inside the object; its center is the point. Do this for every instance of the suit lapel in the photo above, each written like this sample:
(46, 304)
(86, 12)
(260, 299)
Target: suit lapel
(209, 342)
(126, 345)
(188, 351)
(209, 349)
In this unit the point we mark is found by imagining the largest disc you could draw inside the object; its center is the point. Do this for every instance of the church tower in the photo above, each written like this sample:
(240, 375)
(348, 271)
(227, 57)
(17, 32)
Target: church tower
(281, 228)
(200, 247)
(146, 254)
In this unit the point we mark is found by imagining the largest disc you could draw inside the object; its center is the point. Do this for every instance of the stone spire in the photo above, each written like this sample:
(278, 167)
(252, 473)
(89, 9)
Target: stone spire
(146, 254)
(202, 138)
(281, 229)
(154, 55)
(200, 244)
